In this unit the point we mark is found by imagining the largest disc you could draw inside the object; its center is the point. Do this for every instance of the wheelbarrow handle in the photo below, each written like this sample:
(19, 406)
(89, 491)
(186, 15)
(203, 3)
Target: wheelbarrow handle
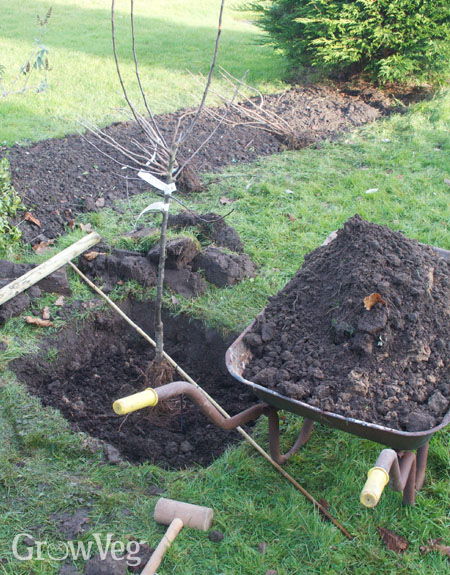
(150, 397)
(377, 479)
(146, 398)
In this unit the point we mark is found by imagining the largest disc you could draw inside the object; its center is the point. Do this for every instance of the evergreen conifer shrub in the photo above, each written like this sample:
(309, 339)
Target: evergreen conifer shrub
(391, 40)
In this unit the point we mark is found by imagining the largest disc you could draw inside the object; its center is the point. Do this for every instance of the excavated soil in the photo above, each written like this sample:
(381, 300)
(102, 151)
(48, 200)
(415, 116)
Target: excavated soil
(61, 178)
(106, 360)
(318, 343)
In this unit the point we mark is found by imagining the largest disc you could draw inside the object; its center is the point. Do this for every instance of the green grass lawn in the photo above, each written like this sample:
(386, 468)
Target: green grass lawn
(173, 37)
(46, 468)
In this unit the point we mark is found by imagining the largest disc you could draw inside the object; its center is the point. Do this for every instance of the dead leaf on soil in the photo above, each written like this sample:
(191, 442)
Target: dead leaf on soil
(86, 227)
(372, 300)
(90, 256)
(41, 247)
(100, 202)
(392, 540)
(71, 224)
(436, 545)
(46, 312)
(224, 201)
(30, 218)
(38, 321)
(430, 280)
(60, 301)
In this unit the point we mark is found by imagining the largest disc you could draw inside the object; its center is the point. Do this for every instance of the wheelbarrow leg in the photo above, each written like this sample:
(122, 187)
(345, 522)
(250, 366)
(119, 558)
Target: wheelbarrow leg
(421, 463)
(274, 437)
(407, 477)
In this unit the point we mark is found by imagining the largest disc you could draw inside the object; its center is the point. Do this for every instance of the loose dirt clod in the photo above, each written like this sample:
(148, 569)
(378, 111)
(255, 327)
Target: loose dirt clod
(386, 362)
(109, 565)
(71, 525)
(215, 536)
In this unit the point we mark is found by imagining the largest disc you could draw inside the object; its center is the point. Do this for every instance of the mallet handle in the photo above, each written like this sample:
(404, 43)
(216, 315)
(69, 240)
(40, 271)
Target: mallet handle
(155, 560)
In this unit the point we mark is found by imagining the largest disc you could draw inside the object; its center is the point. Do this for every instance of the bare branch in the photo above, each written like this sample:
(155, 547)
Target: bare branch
(102, 136)
(198, 217)
(208, 82)
(138, 76)
(257, 115)
(136, 114)
(219, 123)
(137, 159)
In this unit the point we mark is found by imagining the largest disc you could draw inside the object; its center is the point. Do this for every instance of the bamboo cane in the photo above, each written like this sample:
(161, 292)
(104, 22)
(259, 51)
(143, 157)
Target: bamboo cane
(38, 273)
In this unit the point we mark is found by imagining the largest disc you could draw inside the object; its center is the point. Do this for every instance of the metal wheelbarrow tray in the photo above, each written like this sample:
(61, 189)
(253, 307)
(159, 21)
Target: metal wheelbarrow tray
(403, 465)
(237, 358)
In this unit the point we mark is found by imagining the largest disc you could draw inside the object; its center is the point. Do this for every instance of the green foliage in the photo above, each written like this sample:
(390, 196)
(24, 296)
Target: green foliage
(37, 61)
(9, 204)
(391, 40)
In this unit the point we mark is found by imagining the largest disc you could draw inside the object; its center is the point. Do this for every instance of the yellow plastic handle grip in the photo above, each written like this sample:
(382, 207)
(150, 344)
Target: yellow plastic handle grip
(146, 398)
(377, 479)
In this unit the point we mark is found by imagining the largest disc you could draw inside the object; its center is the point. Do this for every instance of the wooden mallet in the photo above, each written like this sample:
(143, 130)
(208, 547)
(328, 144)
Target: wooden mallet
(176, 515)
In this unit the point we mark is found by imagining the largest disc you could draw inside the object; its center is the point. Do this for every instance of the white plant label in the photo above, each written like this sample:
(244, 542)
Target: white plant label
(155, 207)
(156, 183)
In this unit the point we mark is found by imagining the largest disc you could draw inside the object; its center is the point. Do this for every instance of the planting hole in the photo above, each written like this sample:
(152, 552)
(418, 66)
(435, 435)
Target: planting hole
(91, 365)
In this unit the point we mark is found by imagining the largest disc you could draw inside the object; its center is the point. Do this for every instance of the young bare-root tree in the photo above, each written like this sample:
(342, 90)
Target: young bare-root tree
(156, 159)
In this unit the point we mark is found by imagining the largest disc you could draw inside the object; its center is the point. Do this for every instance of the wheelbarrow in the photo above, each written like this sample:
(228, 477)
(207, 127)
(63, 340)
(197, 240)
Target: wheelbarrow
(402, 463)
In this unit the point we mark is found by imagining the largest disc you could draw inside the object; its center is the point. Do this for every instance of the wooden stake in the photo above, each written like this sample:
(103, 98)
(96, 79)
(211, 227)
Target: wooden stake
(46, 268)
(244, 434)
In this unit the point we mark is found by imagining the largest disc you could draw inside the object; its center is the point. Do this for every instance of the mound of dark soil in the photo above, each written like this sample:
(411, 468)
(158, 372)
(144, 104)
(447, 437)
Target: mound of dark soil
(322, 342)
(106, 360)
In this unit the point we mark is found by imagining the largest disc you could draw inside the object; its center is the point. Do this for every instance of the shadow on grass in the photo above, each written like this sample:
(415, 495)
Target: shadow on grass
(159, 42)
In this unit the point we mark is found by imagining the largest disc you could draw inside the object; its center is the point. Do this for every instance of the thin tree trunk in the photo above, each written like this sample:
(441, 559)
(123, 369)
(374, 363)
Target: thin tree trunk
(159, 328)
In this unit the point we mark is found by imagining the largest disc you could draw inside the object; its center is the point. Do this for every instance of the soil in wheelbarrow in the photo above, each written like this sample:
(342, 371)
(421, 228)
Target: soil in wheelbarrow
(106, 360)
(384, 359)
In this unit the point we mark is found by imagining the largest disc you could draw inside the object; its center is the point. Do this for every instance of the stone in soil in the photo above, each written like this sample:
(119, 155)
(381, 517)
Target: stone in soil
(317, 342)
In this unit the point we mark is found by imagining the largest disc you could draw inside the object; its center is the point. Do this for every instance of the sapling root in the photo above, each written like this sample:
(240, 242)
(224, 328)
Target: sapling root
(159, 373)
